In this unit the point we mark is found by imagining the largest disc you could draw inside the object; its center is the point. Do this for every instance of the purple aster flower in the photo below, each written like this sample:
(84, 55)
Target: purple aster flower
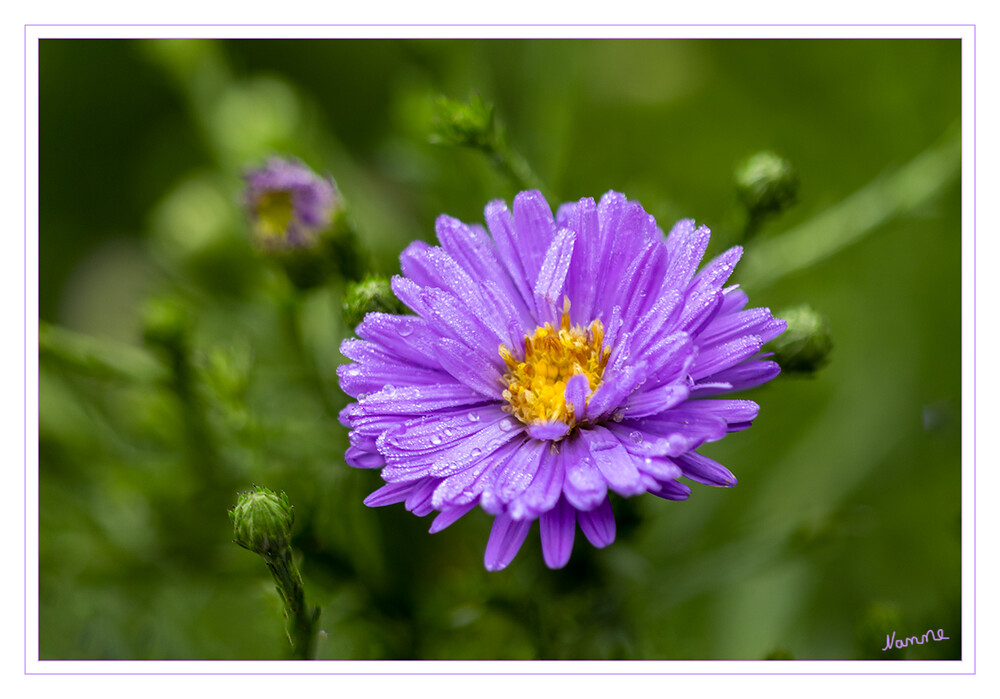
(551, 362)
(288, 203)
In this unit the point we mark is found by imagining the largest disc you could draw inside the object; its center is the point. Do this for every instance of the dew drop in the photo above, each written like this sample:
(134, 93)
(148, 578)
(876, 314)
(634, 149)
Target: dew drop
(405, 329)
(473, 417)
(635, 436)
(447, 431)
(506, 425)
(475, 451)
(436, 439)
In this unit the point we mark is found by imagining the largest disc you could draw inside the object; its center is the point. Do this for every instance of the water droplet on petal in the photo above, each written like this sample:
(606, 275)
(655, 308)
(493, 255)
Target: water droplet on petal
(405, 329)
(506, 425)
(635, 436)
(436, 439)
(473, 417)
(476, 451)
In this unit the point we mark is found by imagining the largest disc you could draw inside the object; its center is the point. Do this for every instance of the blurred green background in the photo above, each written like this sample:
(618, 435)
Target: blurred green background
(179, 367)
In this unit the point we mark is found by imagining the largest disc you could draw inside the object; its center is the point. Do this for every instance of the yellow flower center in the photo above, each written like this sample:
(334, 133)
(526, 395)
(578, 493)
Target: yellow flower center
(536, 387)
(274, 214)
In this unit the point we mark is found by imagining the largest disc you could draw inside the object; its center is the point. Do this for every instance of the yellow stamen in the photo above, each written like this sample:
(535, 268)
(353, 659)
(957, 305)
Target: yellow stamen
(536, 386)
(274, 213)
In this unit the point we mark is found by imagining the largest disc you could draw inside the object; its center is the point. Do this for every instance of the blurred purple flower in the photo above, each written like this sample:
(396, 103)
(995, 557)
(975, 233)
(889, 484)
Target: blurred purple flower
(289, 204)
(550, 362)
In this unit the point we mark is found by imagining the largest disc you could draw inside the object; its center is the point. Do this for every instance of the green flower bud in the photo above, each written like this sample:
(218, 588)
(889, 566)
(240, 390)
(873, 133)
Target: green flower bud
(370, 295)
(464, 124)
(262, 522)
(805, 345)
(767, 184)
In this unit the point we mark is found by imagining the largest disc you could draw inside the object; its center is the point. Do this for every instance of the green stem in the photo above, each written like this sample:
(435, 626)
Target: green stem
(301, 620)
(860, 214)
(513, 165)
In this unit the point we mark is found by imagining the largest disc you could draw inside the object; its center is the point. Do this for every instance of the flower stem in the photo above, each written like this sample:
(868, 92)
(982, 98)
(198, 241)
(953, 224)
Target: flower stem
(301, 620)
(513, 165)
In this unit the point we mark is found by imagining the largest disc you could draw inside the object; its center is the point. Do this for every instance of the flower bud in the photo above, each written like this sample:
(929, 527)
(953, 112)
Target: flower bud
(767, 184)
(370, 295)
(806, 343)
(262, 521)
(463, 124)
(289, 205)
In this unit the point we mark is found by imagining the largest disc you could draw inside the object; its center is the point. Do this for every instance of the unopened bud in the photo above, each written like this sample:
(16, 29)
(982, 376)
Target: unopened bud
(463, 124)
(806, 344)
(767, 184)
(370, 295)
(262, 521)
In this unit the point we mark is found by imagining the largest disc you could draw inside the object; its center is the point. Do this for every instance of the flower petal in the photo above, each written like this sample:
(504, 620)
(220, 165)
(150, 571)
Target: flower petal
(466, 486)
(470, 367)
(408, 337)
(505, 541)
(534, 229)
(613, 461)
(472, 248)
(686, 245)
(448, 517)
(586, 262)
(545, 488)
(598, 525)
(584, 486)
(519, 471)
(418, 400)
(552, 277)
(361, 458)
(557, 528)
(705, 470)
(721, 357)
(750, 374)
(548, 431)
(501, 225)
(391, 493)
(672, 490)
(577, 390)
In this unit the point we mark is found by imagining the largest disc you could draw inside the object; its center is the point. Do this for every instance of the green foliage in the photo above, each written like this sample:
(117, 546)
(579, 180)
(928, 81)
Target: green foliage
(178, 364)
